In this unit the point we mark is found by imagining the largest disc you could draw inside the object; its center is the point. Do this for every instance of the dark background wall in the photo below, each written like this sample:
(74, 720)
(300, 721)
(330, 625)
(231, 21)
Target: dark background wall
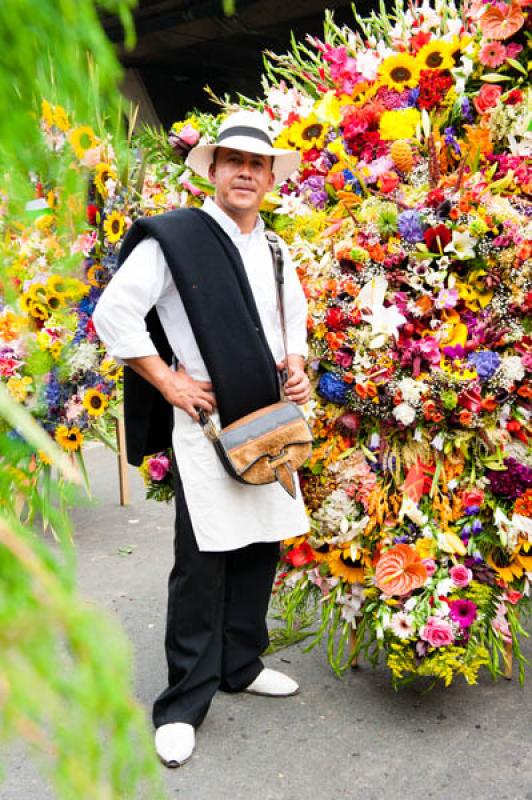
(184, 44)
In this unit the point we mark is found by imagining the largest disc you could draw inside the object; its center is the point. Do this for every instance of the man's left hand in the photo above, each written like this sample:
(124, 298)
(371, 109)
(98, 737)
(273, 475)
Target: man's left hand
(297, 387)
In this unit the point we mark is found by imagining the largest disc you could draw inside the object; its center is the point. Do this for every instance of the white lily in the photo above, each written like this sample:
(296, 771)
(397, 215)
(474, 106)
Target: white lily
(384, 321)
(462, 244)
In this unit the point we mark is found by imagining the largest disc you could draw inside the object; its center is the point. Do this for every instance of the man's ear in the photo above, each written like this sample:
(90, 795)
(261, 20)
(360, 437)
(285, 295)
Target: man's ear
(271, 183)
(212, 172)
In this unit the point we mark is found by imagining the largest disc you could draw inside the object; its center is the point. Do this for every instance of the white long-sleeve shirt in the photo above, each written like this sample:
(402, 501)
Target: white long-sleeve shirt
(145, 280)
(225, 514)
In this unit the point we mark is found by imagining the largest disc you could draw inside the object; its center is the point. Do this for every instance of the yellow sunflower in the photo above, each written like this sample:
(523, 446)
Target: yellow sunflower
(55, 349)
(38, 292)
(110, 369)
(95, 275)
(95, 402)
(435, 55)
(26, 301)
(399, 72)
(54, 301)
(39, 311)
(104, 172)
(69, 438)
(57, 285)
(342, 566)
(310, 133)
(114, 226)
(518, 564)
(82, 139)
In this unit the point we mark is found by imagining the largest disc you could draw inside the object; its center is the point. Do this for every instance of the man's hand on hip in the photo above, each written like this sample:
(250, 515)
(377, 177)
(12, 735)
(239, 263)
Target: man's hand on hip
(177, 388)
(184, 392)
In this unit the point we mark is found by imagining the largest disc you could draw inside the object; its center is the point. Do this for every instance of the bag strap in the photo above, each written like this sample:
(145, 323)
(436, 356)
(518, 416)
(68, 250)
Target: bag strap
(278, 271)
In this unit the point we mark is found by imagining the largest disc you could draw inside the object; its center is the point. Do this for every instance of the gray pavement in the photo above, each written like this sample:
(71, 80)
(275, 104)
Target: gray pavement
(353, 738)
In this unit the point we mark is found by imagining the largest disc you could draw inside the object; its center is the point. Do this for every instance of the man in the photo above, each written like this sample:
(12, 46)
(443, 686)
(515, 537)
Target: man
(208, 274)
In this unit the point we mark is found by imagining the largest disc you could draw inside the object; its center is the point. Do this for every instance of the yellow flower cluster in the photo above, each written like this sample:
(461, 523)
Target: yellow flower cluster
(42, 299)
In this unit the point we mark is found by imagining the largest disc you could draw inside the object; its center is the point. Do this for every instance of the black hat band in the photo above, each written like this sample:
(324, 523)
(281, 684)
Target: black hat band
(245, 130)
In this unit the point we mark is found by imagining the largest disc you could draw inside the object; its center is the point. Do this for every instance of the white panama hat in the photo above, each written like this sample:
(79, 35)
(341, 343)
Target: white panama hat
(247, 131)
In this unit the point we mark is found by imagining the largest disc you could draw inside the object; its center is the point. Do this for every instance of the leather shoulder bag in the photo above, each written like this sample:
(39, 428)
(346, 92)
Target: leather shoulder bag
(269, 444)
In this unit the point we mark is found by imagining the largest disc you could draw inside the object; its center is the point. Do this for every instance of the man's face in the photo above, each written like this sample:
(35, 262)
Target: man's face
(241, 180)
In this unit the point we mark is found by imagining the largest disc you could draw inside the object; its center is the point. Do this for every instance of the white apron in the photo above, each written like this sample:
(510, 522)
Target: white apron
(226, 514)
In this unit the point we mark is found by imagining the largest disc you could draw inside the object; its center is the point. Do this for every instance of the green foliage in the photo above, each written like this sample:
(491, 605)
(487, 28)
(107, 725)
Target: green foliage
(65, 674)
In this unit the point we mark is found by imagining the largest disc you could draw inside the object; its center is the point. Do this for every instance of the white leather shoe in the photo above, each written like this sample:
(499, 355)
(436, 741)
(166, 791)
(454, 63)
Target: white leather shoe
(175, 743)
(271, 683)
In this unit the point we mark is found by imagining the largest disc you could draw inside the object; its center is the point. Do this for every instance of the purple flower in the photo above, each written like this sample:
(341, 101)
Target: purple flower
(410, 227)
(512, 482)
(485, 362)
(464, 612)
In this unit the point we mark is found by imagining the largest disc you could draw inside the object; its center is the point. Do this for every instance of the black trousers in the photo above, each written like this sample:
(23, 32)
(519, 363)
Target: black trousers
(216, 623)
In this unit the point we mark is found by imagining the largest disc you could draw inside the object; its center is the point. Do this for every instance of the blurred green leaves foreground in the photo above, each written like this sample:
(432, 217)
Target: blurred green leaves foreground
(65, 669)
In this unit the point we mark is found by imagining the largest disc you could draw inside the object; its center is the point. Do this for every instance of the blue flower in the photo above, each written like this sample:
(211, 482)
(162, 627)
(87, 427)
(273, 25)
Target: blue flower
(332, 388)
(485, 362)
(410, 226)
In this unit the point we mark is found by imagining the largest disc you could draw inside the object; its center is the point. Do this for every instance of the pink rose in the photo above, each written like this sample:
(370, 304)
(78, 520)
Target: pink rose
(189, 135)
(430, 566)
(460, 575)
(437, 632)
(158, 467)
(487, 98)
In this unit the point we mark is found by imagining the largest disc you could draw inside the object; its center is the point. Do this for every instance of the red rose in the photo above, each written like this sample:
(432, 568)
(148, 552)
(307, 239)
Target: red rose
(300, 556)
(435, 198)
(437, 238)
(488, 97)
(336, 320)
(473, 497)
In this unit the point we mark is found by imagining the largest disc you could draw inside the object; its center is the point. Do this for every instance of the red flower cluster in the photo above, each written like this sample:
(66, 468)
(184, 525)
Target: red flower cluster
(433, 86)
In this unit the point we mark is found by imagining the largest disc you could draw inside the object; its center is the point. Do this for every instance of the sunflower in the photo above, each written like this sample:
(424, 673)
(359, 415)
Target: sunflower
(321, 553)
(114, 226)
(399, 72)
(95, 402)
(310, 133)
(26, 301)
(95, 275)
(518, 564)
(435, 55)
(286, 140)
(38, 292)
(54, 301)
(55, 349)
(82, 139)
(341, 565)
(110, 370)
(69, 438)
(57, 285)
(39, 311)
(104, 172)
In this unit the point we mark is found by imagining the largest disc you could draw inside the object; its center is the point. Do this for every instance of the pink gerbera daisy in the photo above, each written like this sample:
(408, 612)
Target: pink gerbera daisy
(464, 612)
(493, 54)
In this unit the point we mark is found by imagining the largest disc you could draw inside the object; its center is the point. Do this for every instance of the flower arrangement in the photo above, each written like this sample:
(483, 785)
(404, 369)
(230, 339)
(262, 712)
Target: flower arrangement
(410, 225)
(158, 476)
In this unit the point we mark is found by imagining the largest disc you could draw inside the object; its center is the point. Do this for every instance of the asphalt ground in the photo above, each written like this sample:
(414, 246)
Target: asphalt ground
(351, 738)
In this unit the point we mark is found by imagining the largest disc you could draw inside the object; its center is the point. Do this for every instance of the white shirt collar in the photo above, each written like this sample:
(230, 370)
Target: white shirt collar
(228, 224)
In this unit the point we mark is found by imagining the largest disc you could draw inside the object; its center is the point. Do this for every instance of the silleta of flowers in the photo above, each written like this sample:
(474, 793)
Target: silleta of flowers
(409, 222)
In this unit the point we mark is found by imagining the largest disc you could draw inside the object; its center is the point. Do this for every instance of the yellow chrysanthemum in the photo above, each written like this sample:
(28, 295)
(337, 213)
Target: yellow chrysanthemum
(18, 388)
(69, 439)
(103, 173)
(61, 118)
(399, 124)
(95, 402)
(399, 72)
(82, 139)
(435, 55)
(310, 133)
(114, 226)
